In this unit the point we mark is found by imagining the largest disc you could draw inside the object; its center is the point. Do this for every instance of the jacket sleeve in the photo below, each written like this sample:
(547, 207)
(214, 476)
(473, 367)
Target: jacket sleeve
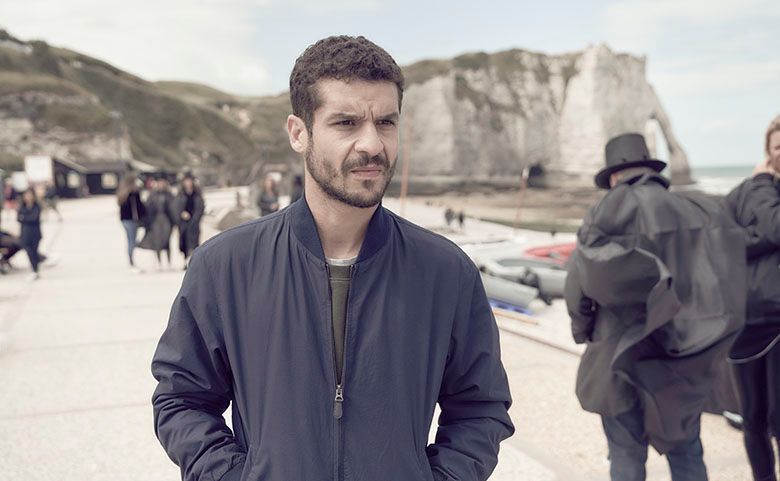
(736, 204)
(194, 385)
(582, 309)
(764, 200)
(199, 208)
(474, 396)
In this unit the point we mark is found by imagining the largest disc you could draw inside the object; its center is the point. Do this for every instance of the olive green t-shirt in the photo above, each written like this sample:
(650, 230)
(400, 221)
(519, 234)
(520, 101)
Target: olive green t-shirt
(340, 277)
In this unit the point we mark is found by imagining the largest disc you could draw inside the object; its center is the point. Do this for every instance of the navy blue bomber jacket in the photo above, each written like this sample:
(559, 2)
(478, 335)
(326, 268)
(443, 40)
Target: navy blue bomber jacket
(251, 326)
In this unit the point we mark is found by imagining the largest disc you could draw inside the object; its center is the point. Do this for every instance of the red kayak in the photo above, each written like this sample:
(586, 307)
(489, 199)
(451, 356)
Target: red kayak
(558, 253)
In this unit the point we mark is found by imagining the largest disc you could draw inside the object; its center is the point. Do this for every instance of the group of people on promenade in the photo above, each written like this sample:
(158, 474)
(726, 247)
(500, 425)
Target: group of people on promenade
(30, 204)
(158, 214)
(665, 289)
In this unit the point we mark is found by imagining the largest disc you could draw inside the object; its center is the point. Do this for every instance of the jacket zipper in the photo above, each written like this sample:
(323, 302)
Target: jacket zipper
(338, 400)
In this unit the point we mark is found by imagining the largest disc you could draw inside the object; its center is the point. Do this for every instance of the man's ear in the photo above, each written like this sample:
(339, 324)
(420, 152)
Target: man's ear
(299, 136)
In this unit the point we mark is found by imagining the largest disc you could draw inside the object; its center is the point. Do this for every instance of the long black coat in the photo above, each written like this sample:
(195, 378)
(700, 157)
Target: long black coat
(189, 230)
(667, 276)
(161, 219)
(30, 220)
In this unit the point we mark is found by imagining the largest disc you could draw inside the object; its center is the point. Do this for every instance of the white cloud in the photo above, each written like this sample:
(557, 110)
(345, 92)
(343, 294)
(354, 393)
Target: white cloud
(314, 7)
(637, 24)
(206, 41)
(732, 78)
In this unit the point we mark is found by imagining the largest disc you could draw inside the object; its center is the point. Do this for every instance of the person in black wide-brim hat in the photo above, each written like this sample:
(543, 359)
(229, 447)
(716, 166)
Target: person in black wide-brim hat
(641, 296)
(627, 151)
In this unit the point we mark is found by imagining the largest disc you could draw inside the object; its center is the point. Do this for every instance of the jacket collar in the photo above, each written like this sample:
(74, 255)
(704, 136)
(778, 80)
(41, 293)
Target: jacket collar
(306, 230)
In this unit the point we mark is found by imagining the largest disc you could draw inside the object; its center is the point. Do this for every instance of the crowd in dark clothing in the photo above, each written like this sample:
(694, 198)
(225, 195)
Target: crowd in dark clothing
(29, 217)
(158, 216)
(666, 290)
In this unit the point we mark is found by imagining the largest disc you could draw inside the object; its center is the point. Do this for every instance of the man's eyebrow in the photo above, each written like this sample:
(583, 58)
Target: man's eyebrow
(392, 116)
(343, 116)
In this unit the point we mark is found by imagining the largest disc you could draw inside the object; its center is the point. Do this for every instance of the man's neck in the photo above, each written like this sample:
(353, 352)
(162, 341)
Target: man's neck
(341, 227)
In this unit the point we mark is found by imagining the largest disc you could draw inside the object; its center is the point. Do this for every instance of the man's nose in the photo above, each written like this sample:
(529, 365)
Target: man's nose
(369, 141)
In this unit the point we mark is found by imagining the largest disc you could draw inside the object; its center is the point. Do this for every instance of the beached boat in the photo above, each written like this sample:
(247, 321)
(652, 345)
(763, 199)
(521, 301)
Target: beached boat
(508, 292)
(547, 276)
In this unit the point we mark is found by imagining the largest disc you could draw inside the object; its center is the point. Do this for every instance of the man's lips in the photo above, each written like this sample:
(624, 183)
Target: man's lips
(369, 171)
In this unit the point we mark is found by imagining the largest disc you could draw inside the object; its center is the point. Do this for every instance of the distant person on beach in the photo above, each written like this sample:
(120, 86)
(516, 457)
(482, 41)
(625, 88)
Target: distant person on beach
(461, 219)
(188, 208)
(656, 291)
(131, 212)
(268, 197)
(333, 328)
(160, 220)
(755, 356)
(29, 217)
(449, 216)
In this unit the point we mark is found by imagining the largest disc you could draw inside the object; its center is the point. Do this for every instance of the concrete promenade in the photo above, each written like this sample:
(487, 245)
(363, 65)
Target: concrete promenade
(75, 349)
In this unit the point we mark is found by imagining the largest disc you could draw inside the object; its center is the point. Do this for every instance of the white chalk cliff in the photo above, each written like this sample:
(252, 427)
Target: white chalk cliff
(486, 117)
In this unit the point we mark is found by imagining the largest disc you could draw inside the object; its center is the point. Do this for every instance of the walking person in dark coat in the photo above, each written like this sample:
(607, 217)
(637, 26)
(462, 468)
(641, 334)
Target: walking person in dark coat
(188, 209)
(755, 356)
(268, 197)
(29, 217)
(132, 213)
(655, 289)
(160, 220)
(333, 327)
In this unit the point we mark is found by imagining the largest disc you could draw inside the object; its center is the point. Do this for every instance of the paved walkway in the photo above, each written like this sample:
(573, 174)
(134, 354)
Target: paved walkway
(75, 349)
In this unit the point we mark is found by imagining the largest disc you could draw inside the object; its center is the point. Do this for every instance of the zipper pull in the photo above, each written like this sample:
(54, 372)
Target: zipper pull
(338, 409)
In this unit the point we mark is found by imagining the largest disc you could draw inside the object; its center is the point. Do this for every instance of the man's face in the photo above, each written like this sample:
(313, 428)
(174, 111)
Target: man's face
(774, 152)
(353, 145)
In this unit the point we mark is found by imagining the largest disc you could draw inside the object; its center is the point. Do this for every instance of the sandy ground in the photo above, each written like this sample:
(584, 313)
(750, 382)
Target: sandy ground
(559, 209)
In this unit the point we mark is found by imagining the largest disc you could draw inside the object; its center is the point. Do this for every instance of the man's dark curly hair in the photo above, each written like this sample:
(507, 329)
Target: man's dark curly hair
(341, 58)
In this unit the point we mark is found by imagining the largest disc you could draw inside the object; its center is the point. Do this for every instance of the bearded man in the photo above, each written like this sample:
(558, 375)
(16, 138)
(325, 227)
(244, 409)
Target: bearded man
(333, 327)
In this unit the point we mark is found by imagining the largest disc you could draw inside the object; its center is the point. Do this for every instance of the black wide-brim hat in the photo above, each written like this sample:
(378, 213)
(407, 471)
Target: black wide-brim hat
(624, 152)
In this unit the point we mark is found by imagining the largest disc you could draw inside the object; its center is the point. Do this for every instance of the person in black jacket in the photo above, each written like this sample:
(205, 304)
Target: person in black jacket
(755, 355)
(188, 211)
(333, 327)
(131, 213)
(29, 217)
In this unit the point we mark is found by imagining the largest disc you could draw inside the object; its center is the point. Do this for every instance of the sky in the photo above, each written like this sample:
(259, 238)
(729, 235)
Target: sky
(715, 65)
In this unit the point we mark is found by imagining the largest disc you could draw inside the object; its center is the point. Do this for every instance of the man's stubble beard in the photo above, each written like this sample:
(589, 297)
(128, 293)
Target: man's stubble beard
(327, 177)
